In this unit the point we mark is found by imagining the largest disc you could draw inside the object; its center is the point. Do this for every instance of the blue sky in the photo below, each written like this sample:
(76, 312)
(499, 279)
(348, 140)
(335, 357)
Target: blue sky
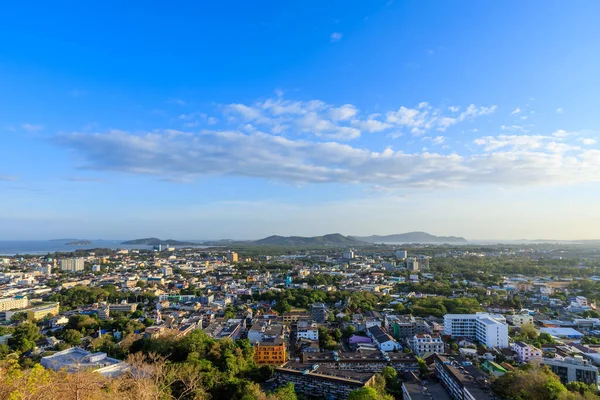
(204, 120)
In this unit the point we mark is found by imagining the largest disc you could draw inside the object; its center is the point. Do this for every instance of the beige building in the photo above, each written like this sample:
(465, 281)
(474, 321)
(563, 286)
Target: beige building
(72, 264)
(14, 303)
(232, 257)
(521, 319)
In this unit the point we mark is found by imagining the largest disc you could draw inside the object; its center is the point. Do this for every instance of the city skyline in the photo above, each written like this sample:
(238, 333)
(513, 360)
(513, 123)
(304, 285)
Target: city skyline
(196, 122)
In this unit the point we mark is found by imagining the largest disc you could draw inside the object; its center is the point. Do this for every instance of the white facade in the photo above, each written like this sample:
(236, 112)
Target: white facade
(401, 254)
(487, 329)
(526, 352)
(348, 255)
(72, 264)
(423, 344)
(522, 319)
(308, 333)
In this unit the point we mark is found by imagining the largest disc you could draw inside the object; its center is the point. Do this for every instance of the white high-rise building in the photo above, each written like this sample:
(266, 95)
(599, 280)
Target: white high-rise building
(348, 255)
(401, 254)
(72, 264)
(490, 330)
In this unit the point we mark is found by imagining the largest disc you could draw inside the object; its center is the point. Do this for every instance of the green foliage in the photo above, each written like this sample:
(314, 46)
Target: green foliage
(531, 383)
(439, 306)
(24, 337)
(72, 337)
(368, 393)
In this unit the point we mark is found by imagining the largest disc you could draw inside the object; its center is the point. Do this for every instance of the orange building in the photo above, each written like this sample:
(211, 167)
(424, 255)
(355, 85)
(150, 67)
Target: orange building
(270, 351)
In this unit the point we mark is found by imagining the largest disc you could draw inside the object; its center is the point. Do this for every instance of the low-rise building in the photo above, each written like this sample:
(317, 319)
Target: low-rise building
(270, 351)
(573, 369)
(522, 319)
(425, 343)
(75, 359)
(526, 352)
(382, 339)
(461, 379)
(322, 382)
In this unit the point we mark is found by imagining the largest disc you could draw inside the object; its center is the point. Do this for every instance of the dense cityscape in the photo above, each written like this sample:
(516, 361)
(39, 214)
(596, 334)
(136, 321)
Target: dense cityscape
(412, 321)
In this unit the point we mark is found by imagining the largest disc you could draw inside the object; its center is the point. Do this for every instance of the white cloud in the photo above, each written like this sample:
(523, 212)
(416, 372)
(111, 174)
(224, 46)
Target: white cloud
(424, 118)
(560, 111)
(174, 155)
(336, 37)
(516, 142)
(343, 113)
(32, 127)
(588, 141)
(277, 115)
(515, 111)
(563, 134)
(7, 178)
(454, 108)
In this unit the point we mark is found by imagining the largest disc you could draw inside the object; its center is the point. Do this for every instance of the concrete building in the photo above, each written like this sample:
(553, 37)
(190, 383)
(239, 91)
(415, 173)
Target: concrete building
(490, 330)
(319, 312)
(401, 254)
(573, 369)
(72, 264)
(461, 379)
(348, 255)
(123, 307)
(37, 312)
(270, 351)
(382, 339)
(412, 264)
(424, 343)
(75, 358)
(14, 303)
(232, 257)
(522, 319)
(405, 327)
(307, 331)
(166, 271)
(322, 382)
(526, 352)
(372, 361)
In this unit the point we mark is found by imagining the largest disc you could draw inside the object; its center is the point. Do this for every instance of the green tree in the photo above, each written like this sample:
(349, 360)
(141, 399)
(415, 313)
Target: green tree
(349, 331)
(72, 337)
(24, 337)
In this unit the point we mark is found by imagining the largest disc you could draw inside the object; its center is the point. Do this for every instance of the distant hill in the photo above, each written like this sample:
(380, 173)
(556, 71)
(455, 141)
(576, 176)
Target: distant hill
(334, 239)
(156, 242)
(411, 237)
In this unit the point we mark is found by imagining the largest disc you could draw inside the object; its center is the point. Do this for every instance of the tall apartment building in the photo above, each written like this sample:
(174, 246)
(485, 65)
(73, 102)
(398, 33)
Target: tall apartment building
(490, 330)
(12, 303)
(166, 271)
(401, 254)
(412, 264)
(72, 264)
(573, 369)
(423, 344)
(232, 257)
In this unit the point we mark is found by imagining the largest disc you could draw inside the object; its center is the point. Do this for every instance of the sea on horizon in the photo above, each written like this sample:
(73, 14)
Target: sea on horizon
(40, 247)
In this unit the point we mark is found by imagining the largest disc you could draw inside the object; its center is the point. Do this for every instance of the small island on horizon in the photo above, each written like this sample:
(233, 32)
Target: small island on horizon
(78, 243)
